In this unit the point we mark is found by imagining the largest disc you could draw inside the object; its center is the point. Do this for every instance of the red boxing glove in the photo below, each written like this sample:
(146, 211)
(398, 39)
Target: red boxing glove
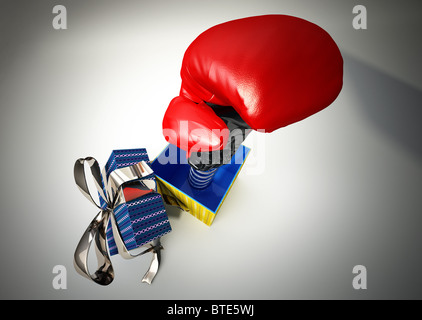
(271, 71)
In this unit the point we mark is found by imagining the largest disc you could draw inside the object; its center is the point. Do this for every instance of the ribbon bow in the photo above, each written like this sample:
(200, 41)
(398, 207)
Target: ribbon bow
(110, 191)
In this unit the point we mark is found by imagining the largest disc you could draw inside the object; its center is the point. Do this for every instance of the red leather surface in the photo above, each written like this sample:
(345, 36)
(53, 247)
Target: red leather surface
(274, 70)
(194, 127)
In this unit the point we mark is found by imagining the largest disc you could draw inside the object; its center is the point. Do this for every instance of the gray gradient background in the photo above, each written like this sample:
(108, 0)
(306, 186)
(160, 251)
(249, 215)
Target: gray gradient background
(339, 189)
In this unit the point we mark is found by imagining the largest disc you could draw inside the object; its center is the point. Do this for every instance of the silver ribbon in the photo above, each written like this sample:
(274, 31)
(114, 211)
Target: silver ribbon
(111, 192)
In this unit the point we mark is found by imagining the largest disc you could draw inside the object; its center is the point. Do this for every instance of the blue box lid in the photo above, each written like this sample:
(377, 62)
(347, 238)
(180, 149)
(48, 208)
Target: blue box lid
(172, 166)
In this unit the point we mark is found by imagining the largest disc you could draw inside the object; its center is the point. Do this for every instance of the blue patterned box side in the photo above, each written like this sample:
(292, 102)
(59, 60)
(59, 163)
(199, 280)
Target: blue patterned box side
(120, 159)
(125, 226)
(125, 158)
(149, 218)
(141, 220)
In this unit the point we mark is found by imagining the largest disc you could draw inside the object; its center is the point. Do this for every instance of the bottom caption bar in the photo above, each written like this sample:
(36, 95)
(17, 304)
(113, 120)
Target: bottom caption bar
(213, 309)
(210, 309)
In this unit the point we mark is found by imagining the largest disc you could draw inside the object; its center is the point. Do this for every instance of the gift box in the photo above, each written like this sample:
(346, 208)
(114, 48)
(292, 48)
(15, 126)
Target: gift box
(132, 213)
(172, 170)
(140, 219)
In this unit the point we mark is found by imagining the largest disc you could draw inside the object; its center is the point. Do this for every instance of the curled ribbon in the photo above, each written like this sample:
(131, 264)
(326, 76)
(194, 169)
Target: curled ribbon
(110, 191)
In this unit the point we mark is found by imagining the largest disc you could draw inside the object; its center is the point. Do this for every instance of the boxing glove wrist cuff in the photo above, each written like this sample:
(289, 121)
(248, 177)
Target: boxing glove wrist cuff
(238, 129)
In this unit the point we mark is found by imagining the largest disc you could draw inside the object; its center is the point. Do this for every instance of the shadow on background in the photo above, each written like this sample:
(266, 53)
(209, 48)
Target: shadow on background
(394, 107)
